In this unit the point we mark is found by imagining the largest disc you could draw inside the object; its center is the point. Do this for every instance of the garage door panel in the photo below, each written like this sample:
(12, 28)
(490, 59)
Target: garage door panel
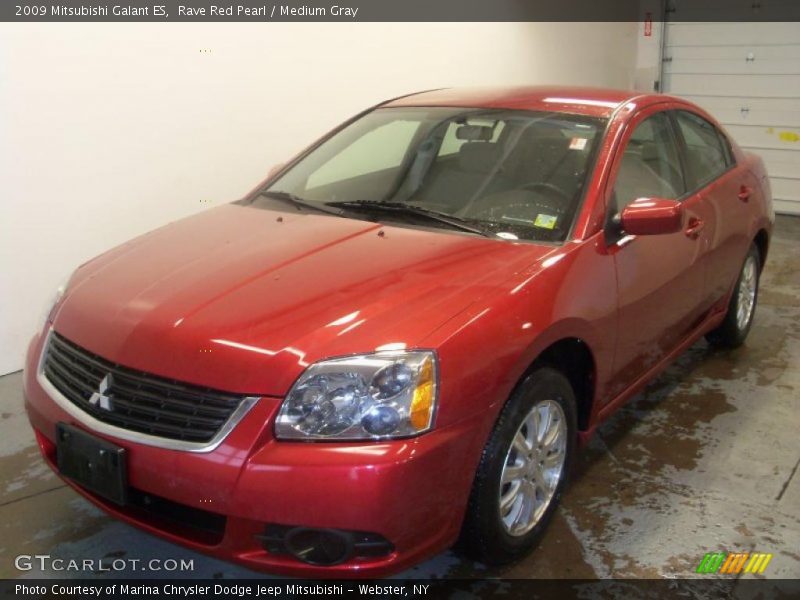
(729, 34)
(757, 86)
(740, 110)
(733, 66)
(779, 162)
(786, 207)
(746, 116)
(785, 188)
(766, 137)
(736, 102)
(737, 52)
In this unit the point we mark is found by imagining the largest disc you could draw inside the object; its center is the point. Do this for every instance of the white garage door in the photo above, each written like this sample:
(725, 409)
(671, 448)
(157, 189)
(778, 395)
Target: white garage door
(748, 76)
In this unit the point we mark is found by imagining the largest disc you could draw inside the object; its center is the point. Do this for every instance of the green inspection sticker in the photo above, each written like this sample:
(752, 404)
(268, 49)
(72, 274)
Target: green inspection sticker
(545, 221)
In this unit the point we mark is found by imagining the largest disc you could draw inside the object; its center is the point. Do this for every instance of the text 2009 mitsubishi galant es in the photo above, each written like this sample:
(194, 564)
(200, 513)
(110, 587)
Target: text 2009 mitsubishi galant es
(400, 338)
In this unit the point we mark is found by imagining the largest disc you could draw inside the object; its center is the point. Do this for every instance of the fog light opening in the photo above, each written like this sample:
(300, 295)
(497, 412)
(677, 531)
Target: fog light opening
(324, 547)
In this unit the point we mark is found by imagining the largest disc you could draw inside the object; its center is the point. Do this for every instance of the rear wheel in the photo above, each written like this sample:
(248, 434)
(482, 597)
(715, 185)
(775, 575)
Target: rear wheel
(523, 470)
(732, 332)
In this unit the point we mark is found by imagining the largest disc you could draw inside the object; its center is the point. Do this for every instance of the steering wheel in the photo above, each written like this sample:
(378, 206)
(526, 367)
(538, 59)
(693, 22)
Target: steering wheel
(521, 203)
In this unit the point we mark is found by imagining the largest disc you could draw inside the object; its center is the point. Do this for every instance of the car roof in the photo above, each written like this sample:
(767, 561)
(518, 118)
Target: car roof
(595, 102)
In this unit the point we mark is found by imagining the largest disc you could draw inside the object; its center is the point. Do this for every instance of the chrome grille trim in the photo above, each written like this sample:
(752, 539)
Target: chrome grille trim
(85, 418)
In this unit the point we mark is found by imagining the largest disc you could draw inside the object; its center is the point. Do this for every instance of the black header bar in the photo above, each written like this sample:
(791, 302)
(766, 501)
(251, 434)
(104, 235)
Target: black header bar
(397, 10)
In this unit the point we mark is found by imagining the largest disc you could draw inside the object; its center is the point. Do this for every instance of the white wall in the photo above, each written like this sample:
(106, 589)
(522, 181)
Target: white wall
(109, 130)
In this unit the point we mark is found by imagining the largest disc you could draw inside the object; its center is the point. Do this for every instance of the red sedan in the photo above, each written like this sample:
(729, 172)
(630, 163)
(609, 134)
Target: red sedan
(400, 338)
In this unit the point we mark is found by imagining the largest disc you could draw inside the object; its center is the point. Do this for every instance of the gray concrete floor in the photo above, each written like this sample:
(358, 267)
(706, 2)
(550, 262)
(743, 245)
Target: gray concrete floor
(705, 459)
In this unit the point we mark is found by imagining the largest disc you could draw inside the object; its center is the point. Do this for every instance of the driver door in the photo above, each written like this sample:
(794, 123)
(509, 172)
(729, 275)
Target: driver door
(660, 278)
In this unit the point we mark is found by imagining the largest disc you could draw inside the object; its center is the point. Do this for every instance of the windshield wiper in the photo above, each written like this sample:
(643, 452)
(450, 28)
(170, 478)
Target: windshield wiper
(299, 202)
(410, 209)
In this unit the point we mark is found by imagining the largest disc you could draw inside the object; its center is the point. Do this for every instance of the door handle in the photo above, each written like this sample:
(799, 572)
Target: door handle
(744, 193)
(695, 227)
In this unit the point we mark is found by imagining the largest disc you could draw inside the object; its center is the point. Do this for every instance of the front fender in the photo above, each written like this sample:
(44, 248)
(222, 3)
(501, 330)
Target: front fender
(486, 350)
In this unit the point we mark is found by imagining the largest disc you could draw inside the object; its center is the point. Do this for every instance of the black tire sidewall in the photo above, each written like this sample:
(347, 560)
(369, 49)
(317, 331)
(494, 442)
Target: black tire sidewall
(728, 334)
(489, 539)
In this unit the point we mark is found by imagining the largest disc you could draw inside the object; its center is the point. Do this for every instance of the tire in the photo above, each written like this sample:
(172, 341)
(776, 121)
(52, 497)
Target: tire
(491, 534)
(732, 332)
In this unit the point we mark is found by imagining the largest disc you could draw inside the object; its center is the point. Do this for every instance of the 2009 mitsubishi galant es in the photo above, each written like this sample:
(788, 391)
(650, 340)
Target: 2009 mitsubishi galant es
(399, 339)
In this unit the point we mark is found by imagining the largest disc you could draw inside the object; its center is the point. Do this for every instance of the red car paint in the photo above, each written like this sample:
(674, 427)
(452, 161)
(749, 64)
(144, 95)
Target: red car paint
(238, 300)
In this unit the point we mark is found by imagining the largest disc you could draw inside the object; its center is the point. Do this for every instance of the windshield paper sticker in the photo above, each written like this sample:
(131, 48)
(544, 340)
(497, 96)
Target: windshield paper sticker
(545, 221)
(577, 143)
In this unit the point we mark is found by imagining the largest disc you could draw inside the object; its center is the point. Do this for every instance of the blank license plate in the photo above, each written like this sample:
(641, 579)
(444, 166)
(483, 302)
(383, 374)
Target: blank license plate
(94, 464)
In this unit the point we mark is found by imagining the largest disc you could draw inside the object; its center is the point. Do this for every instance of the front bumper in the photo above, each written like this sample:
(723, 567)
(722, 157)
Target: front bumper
(411, 492)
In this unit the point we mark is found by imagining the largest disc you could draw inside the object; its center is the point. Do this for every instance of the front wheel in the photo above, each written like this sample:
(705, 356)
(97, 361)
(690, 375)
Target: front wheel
(732, 332)
(523, 470)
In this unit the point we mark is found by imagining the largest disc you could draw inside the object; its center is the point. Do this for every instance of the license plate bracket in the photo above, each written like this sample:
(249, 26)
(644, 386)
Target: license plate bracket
(92, 463)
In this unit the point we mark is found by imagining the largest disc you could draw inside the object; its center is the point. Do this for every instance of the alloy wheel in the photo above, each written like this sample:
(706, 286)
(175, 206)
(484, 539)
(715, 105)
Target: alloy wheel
(533, 467)
(746, 300)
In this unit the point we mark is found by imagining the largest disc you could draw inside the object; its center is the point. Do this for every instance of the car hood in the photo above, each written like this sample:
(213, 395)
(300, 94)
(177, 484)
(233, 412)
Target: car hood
(242, 299)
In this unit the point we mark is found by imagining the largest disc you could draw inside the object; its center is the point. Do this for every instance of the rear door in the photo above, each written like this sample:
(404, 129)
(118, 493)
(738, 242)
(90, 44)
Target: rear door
(660, 278)
(715, 182)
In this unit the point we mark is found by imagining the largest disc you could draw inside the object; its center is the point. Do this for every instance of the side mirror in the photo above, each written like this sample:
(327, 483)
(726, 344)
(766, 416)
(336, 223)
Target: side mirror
(652, 216)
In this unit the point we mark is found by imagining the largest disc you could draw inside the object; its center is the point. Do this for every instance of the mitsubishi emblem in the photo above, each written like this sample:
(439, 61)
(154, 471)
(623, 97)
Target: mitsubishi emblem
(99, 398)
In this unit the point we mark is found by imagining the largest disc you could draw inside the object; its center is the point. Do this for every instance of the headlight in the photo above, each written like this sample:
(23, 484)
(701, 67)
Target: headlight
(54, 300)
(372, 396)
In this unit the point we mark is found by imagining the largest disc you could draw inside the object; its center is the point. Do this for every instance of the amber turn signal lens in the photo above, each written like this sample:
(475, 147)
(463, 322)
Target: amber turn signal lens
(422, 402)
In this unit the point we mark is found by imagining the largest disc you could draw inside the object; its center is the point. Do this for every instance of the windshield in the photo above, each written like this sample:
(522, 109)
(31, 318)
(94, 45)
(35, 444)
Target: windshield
(506, 173)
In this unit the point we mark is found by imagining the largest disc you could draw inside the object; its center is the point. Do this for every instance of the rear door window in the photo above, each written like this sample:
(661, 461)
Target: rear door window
(707, 152)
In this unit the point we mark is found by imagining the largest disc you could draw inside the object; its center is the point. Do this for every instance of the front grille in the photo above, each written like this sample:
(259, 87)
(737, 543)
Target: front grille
(135, 400)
